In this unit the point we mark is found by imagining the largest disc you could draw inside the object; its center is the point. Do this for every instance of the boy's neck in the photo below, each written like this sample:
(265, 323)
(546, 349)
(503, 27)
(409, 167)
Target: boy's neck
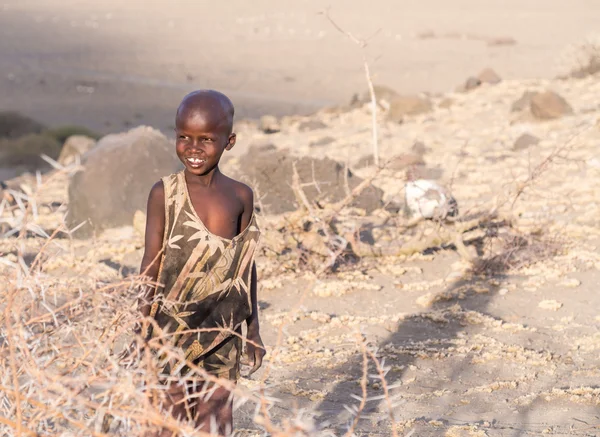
(205, 180)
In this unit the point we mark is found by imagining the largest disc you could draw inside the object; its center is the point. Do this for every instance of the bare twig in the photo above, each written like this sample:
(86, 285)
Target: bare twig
(362, 44)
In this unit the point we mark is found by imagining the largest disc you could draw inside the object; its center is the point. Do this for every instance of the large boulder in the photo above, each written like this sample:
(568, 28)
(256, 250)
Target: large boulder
(116, 179)
(23, 153)
(14, 125)
(271, 176)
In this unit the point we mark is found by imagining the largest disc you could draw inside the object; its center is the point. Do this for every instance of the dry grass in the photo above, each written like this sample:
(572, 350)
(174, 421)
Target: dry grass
(62, 369)
(583, 60)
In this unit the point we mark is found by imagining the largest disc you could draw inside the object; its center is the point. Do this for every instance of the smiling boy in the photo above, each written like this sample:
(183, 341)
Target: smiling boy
(201, 238)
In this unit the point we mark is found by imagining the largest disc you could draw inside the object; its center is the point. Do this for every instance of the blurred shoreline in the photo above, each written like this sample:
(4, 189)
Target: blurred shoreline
(109, 66)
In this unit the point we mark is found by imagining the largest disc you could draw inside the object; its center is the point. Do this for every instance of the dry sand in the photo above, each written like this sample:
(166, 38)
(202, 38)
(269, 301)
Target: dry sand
(111, 64)
(511, 354)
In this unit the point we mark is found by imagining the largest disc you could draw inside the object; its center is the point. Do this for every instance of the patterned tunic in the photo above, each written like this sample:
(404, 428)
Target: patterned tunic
(205, 286)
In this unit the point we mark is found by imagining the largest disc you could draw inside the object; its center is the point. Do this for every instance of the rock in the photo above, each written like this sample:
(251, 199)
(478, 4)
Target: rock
(117, 177)
(322, 142)
(14, 125)
(310, 125)
(429, 200)
(75, 146)
(524, 141)
(549, 105)
(472, 83)
(402, 106)
(365, 161)
(550, 304)
(489, 76)
(271, 175)
(24, 152)
(523, 103)
(446, 103)
(269, 124)
(262, 147)
(419, 148)
(543, 106)
(405, 160)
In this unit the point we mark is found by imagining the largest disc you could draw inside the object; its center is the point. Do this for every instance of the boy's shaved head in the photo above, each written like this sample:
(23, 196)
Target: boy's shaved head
(208, 103)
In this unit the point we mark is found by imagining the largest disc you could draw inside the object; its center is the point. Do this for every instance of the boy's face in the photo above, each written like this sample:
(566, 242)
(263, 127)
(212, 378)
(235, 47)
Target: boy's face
(202, 137)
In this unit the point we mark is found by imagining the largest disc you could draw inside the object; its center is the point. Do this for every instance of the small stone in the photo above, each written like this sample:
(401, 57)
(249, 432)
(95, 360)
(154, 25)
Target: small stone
(310, 125)
(472, 83)
(419, 148)
(549, 105)
(524, 141)
(446, 103)
(489, 76)
(405, 160)
(523, 102)
(571, 283)
(503, 291)
(269, 124)
(402, 106)
(551, 305)
(322, 142)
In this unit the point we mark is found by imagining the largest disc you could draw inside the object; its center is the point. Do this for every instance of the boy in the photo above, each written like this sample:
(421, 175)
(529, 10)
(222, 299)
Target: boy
(201, 236)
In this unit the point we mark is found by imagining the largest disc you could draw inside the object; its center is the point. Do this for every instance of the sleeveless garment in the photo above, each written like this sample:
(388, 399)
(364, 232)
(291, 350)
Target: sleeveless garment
(204, 290)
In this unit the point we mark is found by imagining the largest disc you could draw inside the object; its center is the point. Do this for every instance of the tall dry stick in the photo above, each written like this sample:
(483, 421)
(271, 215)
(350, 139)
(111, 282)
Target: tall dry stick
(363, 44)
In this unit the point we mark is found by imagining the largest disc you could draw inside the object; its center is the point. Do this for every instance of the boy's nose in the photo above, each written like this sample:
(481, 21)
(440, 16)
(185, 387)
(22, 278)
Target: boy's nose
(196, 143)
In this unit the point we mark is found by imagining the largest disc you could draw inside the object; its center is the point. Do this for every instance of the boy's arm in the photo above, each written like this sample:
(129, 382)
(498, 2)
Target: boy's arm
(155, 225)
(255, 348)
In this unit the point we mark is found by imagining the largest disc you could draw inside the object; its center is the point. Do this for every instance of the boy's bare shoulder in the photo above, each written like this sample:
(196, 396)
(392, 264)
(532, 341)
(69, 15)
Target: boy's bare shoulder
(243, 192)
(157, 192)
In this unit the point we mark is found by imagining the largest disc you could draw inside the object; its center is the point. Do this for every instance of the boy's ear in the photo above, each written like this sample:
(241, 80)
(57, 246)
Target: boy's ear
(231, 143)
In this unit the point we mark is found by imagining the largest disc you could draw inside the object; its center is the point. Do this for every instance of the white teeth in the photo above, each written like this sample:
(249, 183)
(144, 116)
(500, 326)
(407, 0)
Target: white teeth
(196, 161)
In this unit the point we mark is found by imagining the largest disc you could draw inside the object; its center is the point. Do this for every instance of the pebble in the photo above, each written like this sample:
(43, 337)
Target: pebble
(571, 283)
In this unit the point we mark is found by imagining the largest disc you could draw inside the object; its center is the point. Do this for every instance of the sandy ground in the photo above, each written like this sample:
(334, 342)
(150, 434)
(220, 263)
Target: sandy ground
(111, 64)
(509, 354)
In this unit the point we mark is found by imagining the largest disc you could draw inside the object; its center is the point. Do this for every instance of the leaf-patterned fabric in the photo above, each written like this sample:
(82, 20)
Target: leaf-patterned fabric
(204, 291)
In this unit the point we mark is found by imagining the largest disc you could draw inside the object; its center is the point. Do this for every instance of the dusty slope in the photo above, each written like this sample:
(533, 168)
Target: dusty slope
(511, 353)
(109, 64)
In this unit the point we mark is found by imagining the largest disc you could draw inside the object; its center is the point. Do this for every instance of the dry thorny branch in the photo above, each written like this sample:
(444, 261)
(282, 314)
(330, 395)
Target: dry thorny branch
(60, 342)
(62, 368)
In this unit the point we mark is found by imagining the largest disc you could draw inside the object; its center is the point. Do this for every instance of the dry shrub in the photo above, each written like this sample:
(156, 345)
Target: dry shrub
(62, 368)
(583, 60)
(511, 250)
